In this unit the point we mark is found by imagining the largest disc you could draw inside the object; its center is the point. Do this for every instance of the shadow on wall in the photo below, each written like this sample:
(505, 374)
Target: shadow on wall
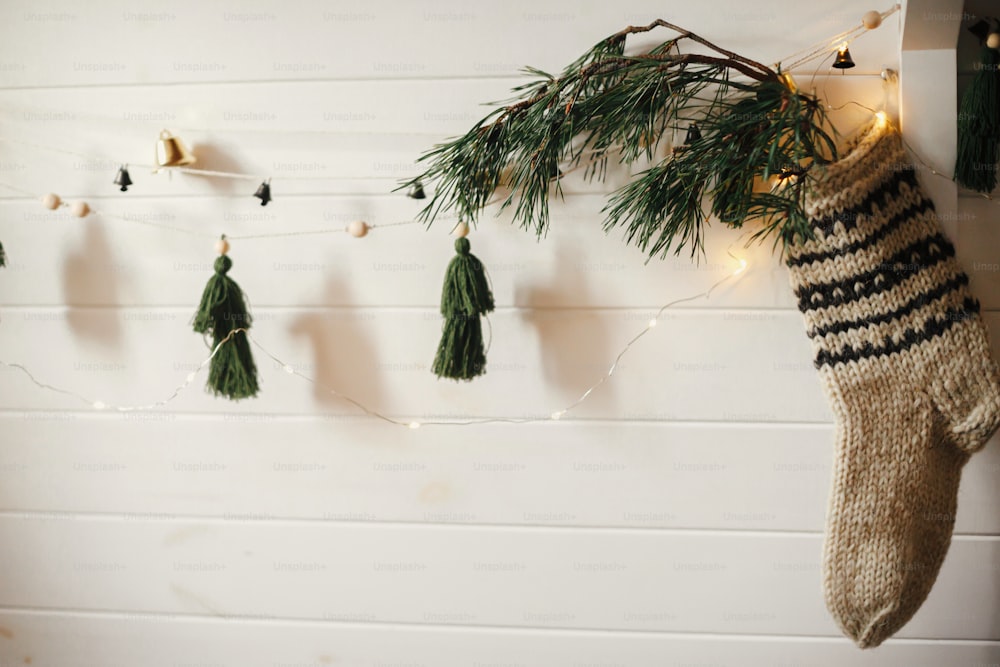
(344, 358)
(574, 343)
(214, 158)
(90, 277)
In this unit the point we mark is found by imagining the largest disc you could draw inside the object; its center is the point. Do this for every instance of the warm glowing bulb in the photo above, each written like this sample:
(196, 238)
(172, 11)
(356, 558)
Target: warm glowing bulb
(743, 267)
(843, 48)
(99, 405)
(881, 117)
(557, 415)
(414, 425)
(652, 323)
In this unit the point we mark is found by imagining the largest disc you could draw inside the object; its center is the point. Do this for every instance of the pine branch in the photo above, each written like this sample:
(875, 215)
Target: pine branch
(607, 105)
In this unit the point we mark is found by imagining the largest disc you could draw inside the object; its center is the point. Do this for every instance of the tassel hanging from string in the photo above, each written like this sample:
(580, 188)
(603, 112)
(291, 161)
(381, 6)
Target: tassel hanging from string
(465, 298)
(223, 313)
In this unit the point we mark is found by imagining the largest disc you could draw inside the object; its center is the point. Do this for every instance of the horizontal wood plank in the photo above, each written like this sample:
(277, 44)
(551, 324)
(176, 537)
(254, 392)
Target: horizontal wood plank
(82, 640)
(638, 475)
(51, 44)
(108, 261)
(334, 135)
(640, 580)
(694, 365)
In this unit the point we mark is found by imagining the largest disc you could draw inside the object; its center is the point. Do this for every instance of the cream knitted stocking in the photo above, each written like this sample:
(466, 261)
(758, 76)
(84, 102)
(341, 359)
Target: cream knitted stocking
(905, 361)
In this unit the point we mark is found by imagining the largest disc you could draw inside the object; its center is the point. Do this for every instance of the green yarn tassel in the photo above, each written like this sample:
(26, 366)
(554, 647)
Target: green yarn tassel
(979, 127)
(466, 296)
(232, 373)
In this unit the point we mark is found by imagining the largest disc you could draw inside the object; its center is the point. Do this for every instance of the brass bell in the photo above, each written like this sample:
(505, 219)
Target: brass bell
(264, 192)
(786, 78)
(171, 151)
(122, 178)
(844, 60)
(693, 134)
(416, 191)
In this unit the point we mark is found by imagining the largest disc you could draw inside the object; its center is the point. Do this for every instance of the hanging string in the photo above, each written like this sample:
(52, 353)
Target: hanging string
(225, 174)
(823, 50)
(213, 235)
(820, 49)
(212, 173)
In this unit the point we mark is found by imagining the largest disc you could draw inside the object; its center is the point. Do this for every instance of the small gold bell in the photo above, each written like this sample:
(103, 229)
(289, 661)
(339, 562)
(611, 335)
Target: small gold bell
(171, 151)
(786, 78)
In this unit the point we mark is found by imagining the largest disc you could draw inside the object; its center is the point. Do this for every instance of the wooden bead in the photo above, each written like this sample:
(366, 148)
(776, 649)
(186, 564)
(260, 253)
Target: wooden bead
(222, 246)
(80, 209)
(461, 230)
(993, 40)
(51, 201)
(357, 228)
(871, 20)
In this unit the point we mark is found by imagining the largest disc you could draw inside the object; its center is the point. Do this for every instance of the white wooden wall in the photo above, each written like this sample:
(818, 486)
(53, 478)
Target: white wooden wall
(674, 519)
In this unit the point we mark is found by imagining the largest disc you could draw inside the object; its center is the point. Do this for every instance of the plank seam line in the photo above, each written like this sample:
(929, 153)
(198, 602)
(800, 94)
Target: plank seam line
(463, 627)
(427, 308)
(513, 76)
(249, 518)
(45, 414)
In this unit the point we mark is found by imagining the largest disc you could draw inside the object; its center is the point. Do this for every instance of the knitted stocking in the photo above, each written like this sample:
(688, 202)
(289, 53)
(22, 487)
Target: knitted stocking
(905, 361)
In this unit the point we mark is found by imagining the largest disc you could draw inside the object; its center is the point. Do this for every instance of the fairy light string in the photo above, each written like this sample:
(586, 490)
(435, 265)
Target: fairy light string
(101, 405)
(891, 79)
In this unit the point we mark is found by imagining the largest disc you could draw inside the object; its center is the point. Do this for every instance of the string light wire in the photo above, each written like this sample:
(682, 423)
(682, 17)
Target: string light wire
(101, 405)
(891, 78)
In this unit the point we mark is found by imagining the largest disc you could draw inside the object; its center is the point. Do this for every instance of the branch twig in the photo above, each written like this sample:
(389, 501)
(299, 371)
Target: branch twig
(632, 30)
